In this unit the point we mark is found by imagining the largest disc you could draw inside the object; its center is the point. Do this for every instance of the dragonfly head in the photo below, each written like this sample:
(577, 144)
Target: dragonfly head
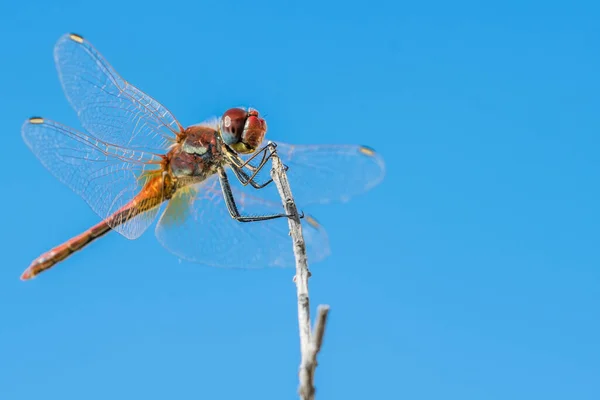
(243, 130)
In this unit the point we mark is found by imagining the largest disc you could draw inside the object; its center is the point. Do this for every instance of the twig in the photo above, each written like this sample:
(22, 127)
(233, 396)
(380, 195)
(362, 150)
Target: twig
(309, 344)
(322, 312)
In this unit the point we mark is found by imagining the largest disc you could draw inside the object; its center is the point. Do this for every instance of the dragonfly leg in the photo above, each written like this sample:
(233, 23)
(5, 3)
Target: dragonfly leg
(245, 179)
(232, 207)
(238, 166)
(269, 148)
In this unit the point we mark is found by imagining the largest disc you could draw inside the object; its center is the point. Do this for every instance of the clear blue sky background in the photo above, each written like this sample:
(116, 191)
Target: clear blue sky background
(472, 272)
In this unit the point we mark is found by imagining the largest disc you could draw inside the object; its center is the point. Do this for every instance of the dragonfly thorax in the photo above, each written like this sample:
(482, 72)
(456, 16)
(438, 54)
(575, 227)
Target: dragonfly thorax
(197, 155)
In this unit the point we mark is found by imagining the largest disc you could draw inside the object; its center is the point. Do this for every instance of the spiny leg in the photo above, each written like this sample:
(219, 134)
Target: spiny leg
(238, 165)
(232, 207)
(245, 179)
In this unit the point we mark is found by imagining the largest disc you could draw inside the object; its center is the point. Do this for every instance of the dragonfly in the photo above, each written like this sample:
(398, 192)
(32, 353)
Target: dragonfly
(204, 183)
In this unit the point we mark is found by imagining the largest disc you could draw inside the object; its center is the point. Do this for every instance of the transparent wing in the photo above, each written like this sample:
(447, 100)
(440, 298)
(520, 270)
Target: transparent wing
(107, 177)
(108, 106)
(197, 227)
(328, 173)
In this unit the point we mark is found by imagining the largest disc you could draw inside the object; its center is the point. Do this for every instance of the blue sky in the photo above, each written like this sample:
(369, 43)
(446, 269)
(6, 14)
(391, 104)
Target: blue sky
(472, 272)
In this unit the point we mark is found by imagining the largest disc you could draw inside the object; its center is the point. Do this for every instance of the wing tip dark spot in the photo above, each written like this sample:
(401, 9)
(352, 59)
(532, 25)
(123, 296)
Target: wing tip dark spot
(367, 151)
(76, 38)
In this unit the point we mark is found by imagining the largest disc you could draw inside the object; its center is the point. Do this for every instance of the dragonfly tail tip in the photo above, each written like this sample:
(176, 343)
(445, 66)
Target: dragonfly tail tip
(27, 275)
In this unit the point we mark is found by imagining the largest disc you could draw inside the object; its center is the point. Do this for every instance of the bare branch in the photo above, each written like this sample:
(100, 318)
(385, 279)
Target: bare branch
(309, 344)
(322, 312)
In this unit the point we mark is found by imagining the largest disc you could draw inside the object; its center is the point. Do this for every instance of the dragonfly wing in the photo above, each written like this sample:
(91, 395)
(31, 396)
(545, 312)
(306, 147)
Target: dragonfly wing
(197, 227)
(107, 177)
(108, 106)
(330, 173)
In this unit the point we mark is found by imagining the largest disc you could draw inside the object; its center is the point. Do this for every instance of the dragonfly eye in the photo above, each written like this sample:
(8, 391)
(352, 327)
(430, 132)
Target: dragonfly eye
(232, 125)
(243, 130)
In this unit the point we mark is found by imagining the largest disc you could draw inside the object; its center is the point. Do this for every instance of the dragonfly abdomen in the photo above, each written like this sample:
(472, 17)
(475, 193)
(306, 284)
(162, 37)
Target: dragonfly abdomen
(59, 253)
(152, 195)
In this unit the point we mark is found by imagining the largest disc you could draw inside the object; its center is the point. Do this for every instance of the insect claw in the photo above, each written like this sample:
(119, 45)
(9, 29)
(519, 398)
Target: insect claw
(300, 216)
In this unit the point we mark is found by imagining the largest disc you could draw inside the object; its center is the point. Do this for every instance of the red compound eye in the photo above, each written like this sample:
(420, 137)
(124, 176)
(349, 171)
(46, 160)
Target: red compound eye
(232, 124)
